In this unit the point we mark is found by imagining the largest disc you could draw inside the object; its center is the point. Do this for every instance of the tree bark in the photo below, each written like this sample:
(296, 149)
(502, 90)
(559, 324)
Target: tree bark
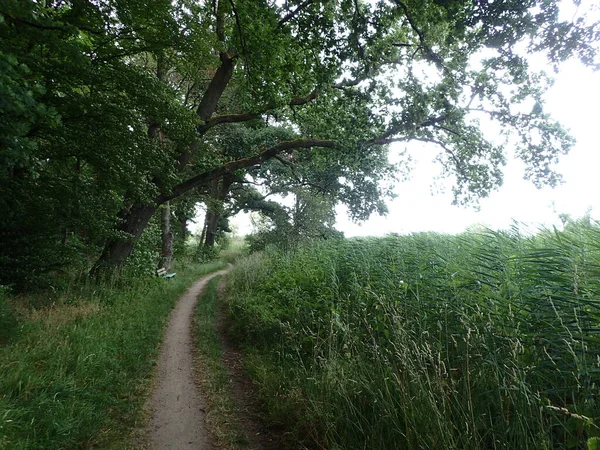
(167, 238)
(214, 210)
(219, 82)
(183, 227)
(211, 220)
(133, 222)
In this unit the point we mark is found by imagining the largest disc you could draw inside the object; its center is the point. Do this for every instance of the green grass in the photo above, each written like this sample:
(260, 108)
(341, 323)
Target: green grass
(78, 372)
(220, 415)
(477, 341)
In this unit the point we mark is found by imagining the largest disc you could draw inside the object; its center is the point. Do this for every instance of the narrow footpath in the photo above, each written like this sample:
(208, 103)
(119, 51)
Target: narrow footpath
(176, 407)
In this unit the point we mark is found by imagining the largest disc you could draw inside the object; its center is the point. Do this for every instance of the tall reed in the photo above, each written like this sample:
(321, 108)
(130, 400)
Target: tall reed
(476, 341)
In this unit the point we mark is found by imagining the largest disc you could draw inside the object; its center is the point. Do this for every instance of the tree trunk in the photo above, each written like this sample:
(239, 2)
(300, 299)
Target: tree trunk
(167, 238)
(212, 221)
(214, 207)
(134, 221)
(183, 227)
(208, 233)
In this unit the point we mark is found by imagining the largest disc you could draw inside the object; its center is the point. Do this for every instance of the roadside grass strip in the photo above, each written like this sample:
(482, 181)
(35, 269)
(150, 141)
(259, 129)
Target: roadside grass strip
(221, 416)
(78, 372)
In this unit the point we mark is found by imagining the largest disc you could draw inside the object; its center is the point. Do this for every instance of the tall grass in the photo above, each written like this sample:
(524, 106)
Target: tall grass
(221, 414)
(77, 373)
(479, 341)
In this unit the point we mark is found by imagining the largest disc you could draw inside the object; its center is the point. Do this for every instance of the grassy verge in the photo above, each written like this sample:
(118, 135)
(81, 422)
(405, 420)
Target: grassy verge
(77, 373)
(220, 415)
(478, 341)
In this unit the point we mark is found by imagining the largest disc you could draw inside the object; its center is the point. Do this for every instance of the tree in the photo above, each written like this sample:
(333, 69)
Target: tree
(326, 85)
(311, 217)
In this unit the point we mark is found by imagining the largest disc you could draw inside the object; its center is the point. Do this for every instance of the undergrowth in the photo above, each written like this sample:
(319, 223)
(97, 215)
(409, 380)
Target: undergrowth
(479, 341)
(77, 373)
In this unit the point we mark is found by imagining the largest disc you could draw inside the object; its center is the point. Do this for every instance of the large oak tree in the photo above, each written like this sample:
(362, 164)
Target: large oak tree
(111, 108)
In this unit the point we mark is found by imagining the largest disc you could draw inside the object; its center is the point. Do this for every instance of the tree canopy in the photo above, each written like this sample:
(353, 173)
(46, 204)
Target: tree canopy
(111, 108)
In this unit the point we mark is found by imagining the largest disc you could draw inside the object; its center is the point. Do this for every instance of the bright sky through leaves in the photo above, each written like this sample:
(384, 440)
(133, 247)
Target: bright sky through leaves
(425, 204)
(573, 100)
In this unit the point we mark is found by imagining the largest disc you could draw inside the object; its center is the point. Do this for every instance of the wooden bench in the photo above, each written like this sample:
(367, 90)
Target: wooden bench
(162, 272)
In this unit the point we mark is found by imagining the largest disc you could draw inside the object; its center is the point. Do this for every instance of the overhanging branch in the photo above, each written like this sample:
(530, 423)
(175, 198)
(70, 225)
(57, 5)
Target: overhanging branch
(244, 117)
(387, 137)
(293, 13)
(227, 118)
(232, 166)
(430, 55)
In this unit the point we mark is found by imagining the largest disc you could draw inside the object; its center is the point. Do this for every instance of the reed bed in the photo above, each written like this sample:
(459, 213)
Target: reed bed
(484, 340)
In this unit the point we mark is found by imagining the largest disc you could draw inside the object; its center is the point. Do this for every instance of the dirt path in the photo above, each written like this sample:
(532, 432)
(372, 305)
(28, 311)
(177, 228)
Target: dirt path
(176, 406)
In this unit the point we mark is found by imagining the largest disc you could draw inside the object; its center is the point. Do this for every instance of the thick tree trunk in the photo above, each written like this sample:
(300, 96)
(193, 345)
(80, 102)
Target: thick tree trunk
(208, 233)
(214, 211)
(133, 223)
(212, 221)
(167, 238)
(183, 227)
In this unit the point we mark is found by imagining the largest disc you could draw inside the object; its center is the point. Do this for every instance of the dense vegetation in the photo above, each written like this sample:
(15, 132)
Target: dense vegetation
(477, 341)
(76, 371)
(118, 117)
(114, 110)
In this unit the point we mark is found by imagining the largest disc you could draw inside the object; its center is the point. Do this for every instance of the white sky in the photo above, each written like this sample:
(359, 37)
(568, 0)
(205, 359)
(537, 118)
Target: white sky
(574, 100)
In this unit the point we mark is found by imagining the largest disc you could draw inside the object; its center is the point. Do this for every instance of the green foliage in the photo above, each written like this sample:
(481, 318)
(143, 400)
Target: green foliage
(311, 218)
(144, 259)
(79, 372)
(476, 341)
(205, 254)
(75, 134)
(110, 108)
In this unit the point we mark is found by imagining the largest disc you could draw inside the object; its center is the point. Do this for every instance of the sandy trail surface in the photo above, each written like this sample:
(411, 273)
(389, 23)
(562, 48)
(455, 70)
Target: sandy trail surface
(176, 406)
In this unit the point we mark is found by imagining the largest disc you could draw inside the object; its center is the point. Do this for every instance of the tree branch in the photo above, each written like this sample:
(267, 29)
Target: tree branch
(387, 136)
(244, 117)
(227, 118)
(67, 28)
(303, 100)
(429, 53)
(215, 89)
(295, 175)
(207, 177)
(238, 25)
(293, 13)
(457, 162)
